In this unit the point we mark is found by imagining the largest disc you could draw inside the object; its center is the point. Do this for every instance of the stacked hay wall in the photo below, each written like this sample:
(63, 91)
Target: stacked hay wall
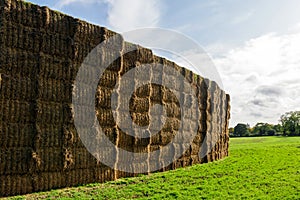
(40, 54)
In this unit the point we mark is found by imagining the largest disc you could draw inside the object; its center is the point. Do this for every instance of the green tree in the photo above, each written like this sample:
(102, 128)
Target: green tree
(263, 129)
(290, 123)
(278, 129)
(241, 130)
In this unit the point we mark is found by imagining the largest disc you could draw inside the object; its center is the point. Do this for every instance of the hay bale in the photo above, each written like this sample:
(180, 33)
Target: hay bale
(105, 117)
(52, 90)
(143, 92)
(50, 135)
(16, 135)
(48, 159)
(15, 111)
(168, 96)
(121, 174)
(141, 119)
(19, 63)
(15, 185)
(79, 177)
(84, 159)
(195, 149)
(109, 79)
(171, 124)
(15, 161)
(17, 88)
(125, 141)
(155, 139)
(156, 94)
(173, 110)
(68, 113)
(69, 136)
(139, 105)
(111, 133)
(48, 180)
(105, 173)
(68, 158)
(166, 136)
(103, 97)
(54, 67)
(49, 112)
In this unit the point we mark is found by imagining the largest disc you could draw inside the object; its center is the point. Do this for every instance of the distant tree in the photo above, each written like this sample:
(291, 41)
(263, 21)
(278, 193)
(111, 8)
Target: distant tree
(263, 129)
(241, 130)
(290, 123)
(278, 129)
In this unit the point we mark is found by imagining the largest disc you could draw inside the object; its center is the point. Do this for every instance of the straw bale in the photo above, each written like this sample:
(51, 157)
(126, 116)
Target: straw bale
(169, 97)
(15, 185)
(129, 61)
(15, 111)
(166, 137)
(19, 63)
(109, 79)
(195, 149)
(155, 138)
(143, 92)
(17, 88)
(156, 93)
(145, 55)
(15, 160)
(48, 160)
(49, 112)
(55, 67)
(171, 124)
(42, 51)
(129, 84)
(141, 119)
(103, 97)
(84, 159)
(16, 135)
(52, 90)
(121, 174)
(68, 158)
(125, 141)
(105, 174)
(68, 113)
(142, 142)
(195, 159)
(70, 137)
(173, 110)
(49, 135)
(111, 133)
(48, 180)
(141, 149)
(79, 177)
(105, 117)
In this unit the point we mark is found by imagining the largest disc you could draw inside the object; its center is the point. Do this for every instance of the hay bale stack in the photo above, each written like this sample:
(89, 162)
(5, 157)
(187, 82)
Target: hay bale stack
(41, 52)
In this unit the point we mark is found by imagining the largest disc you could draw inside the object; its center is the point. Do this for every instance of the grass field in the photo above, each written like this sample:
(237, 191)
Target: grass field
(257, 168)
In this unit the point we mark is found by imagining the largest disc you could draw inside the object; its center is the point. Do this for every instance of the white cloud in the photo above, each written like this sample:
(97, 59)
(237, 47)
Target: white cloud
(262, 77)
(125, 15)
(63, 3)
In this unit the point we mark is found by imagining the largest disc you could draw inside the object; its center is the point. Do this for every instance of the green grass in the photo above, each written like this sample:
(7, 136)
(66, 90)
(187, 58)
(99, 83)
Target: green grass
(257, 168)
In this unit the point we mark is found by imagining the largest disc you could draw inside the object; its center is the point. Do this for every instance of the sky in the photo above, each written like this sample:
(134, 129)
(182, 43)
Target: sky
(255, 45)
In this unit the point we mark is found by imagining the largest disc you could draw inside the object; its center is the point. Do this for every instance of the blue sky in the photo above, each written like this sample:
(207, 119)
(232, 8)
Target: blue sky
(254, 44)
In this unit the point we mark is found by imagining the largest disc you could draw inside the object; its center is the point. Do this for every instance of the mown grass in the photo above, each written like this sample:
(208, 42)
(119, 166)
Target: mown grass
(257, 168)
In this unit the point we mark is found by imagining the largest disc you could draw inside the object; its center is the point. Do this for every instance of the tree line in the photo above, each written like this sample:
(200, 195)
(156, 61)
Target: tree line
(289, 125)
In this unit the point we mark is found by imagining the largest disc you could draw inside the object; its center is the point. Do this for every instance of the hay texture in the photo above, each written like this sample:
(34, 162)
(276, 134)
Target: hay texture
(41, 52)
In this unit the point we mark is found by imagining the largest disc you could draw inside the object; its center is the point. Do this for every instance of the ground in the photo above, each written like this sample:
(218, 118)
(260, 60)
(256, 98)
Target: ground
(257, 168)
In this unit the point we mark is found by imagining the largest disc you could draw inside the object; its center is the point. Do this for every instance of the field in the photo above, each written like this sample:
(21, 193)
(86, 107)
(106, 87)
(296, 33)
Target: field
(257, 168)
